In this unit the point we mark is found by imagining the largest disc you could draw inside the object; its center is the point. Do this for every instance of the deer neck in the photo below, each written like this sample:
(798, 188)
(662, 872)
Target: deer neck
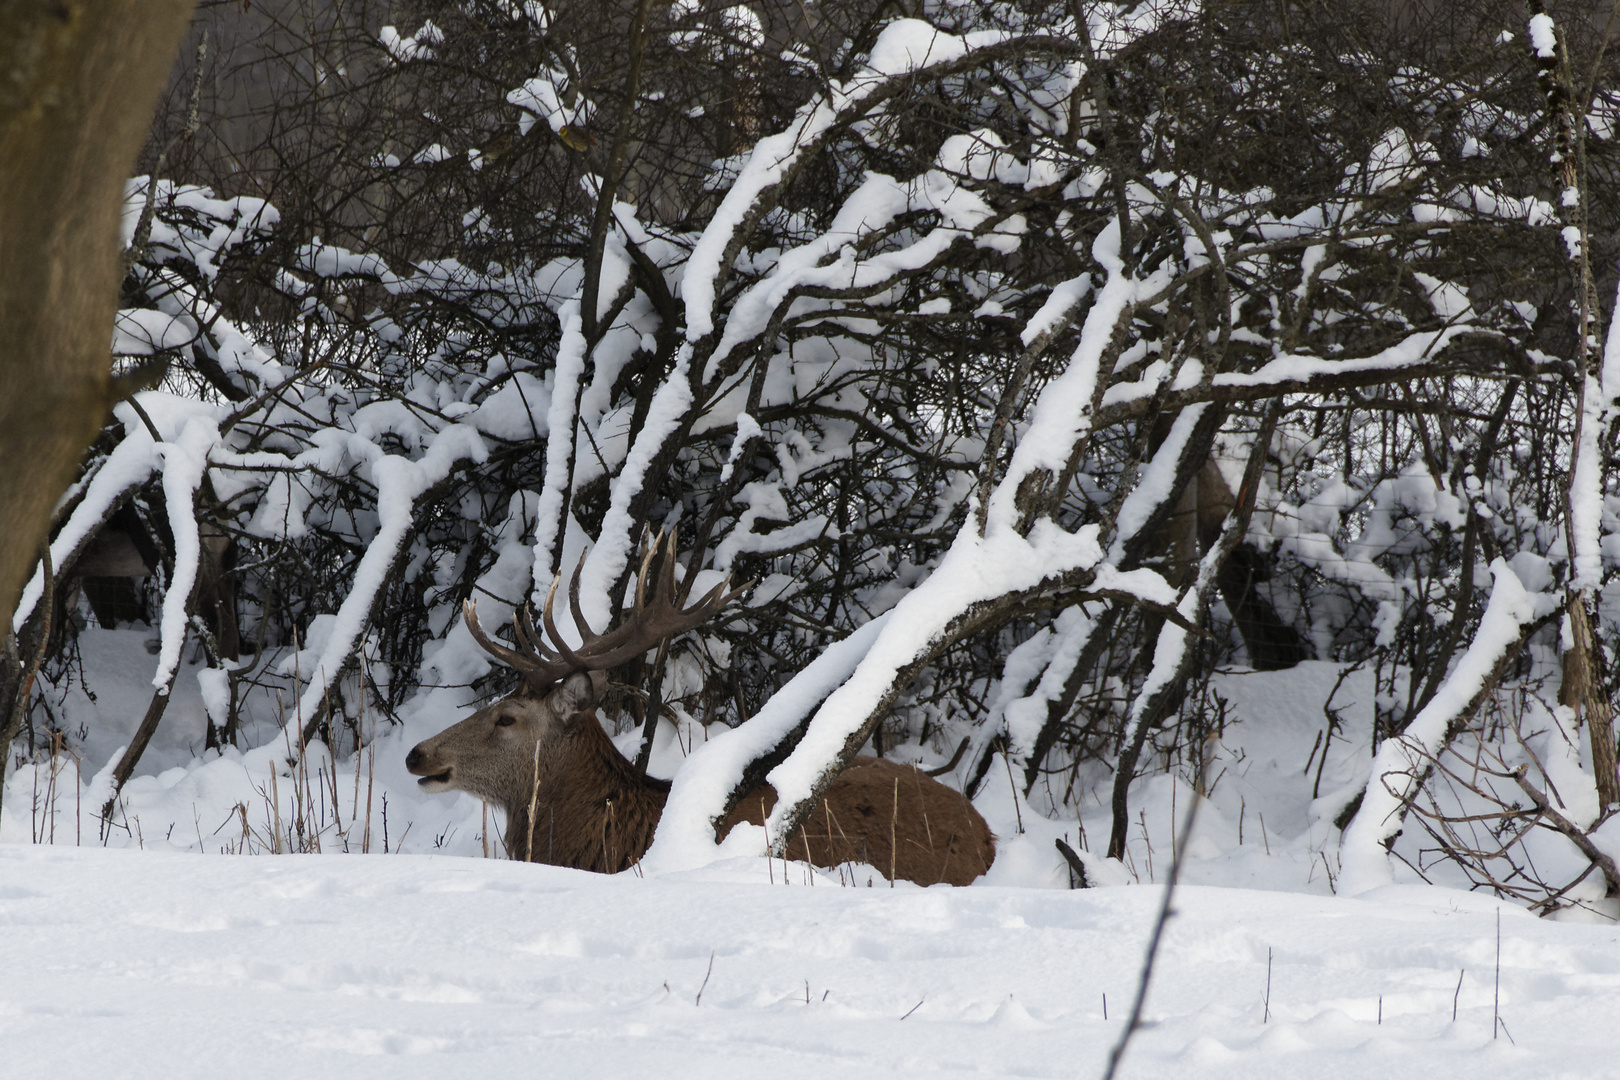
(592, 809)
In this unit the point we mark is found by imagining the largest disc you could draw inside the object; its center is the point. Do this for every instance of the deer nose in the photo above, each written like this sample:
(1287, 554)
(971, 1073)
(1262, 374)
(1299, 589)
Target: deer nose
(413, 759)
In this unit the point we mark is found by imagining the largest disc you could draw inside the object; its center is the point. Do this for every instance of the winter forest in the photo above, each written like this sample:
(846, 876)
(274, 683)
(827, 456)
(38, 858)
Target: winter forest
(1188, 429)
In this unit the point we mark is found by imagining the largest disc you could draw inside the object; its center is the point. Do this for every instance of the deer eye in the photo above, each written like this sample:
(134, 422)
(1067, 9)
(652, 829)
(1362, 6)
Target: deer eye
(505, 721)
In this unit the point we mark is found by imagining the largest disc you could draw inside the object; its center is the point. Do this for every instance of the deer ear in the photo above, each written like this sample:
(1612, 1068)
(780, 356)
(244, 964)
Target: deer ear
(578, 692)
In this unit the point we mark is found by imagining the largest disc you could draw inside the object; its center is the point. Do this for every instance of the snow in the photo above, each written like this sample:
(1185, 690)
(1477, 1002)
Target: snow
(1600, 392)
(747, 429)
(546, 96)
(1058, 308)
(1154, 484)
(421, 965)
(1062, 413)
(560, 417)
(1543, 36)
(214, 684)
(975, 569)
(1026, 715)
(339, 964)
(131, 464)
(142, 332)
(980, 566)
(1418, 348)
(417, 46)
(608, 559)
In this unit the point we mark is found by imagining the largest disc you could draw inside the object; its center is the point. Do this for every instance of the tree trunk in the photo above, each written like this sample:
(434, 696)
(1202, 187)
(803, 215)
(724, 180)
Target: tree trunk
(1582, 690)
(78, 83)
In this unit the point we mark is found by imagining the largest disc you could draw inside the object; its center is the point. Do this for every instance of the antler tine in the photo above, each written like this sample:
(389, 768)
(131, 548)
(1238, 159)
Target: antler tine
(721, 595)
(527, 637)
(648, 550)
(711, 602)
(534, 667)
(666, 571)
(550, 622)
(662, 619)
(469, 614)
(586, 634)
(649, 623)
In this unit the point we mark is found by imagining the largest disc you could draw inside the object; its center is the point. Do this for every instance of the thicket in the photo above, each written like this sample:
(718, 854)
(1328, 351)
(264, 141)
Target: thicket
(1103, 345)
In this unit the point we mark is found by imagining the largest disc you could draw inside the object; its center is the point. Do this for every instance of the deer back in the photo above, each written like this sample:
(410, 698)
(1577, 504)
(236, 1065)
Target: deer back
(894, 817)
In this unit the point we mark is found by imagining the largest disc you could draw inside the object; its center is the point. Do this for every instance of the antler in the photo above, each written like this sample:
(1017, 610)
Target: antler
(648, 624)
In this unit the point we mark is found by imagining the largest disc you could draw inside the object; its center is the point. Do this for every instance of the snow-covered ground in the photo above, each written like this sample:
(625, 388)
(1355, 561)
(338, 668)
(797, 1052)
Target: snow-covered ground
(157, 964)
(145, 951)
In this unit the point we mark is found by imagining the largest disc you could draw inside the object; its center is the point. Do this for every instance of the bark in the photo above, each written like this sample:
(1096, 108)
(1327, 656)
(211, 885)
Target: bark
(78, 84)
(1582, 690)
(16, 677)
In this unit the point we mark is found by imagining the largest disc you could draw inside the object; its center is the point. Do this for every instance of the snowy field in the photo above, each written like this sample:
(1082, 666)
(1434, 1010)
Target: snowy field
(155, 951)
(131, 964)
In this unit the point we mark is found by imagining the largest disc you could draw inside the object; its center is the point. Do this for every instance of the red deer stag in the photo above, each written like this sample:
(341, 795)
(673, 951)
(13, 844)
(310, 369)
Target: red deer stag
(571, 799)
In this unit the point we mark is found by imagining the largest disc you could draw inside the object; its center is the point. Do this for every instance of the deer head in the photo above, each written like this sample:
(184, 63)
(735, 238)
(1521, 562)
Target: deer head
(493, 753)
(507, 752)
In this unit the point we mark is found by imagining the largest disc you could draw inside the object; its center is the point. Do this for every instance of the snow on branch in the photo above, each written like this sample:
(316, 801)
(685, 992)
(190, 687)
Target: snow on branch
(184, 461)
(979, 568)
(560, 420)
(1402, 761)
(906, 50)
(697, 799)
(1600, 404)
(400, 482)
(131, 464)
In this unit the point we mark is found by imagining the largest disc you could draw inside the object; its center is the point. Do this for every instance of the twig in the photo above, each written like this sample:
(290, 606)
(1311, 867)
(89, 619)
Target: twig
(1146, 977)
(1496, 996)
(961, 747)
(142, 738)
(915, 1007)
(1266, 1018)
(1569, 829)
(699, 999)
(27, 672)
(1076, 867)
(1006, 759)
(1456, 994)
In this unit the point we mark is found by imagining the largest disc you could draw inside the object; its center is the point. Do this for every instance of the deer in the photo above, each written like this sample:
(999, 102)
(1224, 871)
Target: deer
(542, 756)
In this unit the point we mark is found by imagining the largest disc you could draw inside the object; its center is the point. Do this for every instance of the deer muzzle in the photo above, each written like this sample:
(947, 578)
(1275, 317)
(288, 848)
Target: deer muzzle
(435, 774)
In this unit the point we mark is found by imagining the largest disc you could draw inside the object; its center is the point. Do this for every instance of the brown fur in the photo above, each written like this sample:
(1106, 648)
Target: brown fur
(938, 835)
(593, 811)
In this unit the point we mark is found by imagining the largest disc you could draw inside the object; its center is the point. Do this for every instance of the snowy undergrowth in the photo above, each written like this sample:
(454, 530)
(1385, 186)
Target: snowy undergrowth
(1260, 826)
(1274, 776)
